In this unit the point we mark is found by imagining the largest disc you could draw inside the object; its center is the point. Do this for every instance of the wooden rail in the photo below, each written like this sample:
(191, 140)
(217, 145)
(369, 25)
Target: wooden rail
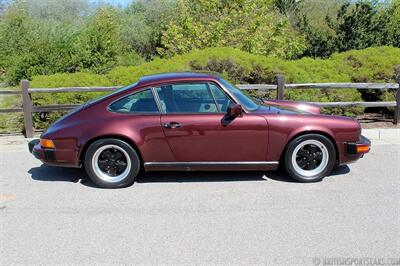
(280, 87)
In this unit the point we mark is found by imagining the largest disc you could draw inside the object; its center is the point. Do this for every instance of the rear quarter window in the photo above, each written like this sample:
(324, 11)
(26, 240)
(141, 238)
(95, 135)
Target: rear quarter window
(139, 102)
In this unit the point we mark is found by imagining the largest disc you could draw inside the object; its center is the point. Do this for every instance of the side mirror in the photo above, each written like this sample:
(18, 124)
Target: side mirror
(234, 110)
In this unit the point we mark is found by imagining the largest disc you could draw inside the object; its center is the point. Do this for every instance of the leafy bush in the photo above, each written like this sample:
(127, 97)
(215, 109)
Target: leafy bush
(65, 80)
(130, 59)
(10, 122)
(81, 79)
(369, 65)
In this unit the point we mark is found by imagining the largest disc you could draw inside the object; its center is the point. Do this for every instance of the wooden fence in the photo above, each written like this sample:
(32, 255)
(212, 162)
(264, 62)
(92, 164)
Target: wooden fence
(28, 108)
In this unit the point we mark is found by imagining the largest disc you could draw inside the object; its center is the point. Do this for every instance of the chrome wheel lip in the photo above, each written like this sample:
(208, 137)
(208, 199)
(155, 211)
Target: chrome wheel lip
(104, 176)
(310, 174)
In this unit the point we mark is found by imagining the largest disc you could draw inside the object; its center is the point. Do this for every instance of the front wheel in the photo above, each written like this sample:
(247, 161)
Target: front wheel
(309, 158)
(112, 163)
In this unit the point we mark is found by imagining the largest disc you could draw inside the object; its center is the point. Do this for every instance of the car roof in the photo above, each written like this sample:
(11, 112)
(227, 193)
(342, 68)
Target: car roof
(171, 77)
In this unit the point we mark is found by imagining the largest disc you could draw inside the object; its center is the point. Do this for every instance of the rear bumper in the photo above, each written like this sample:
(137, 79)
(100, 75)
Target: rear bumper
(49, 156)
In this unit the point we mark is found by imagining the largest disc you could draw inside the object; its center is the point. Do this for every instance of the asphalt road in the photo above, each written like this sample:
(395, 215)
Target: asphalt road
(49, 216)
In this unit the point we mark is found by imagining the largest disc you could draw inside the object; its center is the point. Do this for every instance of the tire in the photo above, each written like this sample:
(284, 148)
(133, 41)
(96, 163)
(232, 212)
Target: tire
(111, 163)
(309, 158)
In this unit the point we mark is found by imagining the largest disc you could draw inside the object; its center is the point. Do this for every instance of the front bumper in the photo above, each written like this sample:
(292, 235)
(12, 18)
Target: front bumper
(32, 144)
(361, 147)
(45, 155)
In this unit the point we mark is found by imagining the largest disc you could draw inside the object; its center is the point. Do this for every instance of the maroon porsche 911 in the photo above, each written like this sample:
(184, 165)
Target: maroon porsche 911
(192, 121)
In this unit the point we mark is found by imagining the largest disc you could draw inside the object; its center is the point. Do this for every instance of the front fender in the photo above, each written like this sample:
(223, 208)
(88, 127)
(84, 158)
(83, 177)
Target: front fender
(283, 128)
(300, 106)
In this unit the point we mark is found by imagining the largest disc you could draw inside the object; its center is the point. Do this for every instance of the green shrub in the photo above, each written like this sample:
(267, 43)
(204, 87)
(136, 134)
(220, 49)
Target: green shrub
(11, 122)
(81, 79)
(65, 80)
(130, 59)
(368, 65)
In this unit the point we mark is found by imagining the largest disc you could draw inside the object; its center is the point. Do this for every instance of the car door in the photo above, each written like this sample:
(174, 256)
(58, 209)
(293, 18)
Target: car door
(197, 128)
(137, 117)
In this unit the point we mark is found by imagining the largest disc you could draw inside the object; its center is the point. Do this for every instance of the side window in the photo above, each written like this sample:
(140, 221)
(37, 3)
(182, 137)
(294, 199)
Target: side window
(140, 102)
(220, 97)
(187, 98)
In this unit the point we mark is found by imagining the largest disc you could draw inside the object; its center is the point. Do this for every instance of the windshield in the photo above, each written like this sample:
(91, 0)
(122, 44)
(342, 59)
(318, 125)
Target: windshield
(249, 102)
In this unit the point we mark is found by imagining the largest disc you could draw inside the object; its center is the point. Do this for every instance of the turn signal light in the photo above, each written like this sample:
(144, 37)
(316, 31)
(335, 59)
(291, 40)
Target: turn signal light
(362, 149)
(47, 143)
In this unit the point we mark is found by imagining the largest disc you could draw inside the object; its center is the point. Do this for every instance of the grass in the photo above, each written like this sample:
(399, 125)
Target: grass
(10, 122)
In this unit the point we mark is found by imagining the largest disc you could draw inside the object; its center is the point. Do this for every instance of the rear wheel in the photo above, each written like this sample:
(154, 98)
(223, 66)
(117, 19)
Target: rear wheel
(112, 163)
(309, 158)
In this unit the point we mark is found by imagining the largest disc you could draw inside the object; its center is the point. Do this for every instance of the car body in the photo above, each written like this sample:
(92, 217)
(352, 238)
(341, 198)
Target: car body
(193, 121)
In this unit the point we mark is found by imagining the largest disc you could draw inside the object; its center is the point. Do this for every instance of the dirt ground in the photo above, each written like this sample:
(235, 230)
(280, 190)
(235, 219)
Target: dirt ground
(374, 120)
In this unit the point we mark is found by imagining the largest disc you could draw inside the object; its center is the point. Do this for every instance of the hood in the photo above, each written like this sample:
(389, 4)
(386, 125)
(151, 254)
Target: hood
(295, 106)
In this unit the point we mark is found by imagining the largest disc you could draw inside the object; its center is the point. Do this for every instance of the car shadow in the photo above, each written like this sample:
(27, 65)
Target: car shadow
(224, 176)
(199, 176)
(60, 174)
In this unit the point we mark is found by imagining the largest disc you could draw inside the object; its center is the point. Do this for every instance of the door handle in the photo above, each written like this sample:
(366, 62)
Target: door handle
(172, 125)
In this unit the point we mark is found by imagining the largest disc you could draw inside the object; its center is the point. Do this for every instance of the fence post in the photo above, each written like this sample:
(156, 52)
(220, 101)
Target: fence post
(27, 107)
(280, 82)
(397, 110)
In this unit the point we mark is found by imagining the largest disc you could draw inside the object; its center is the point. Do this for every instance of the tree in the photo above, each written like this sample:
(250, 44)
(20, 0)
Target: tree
(252, 26)
(392, 30)
(320, 42)
(31, 46)
(142, 24)
(316, 12)
(59, 10)
(348, 25)
(15, 33)
(15, 26)
(357, 26)
(2, 6)
(101, 41)
(288, 8)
